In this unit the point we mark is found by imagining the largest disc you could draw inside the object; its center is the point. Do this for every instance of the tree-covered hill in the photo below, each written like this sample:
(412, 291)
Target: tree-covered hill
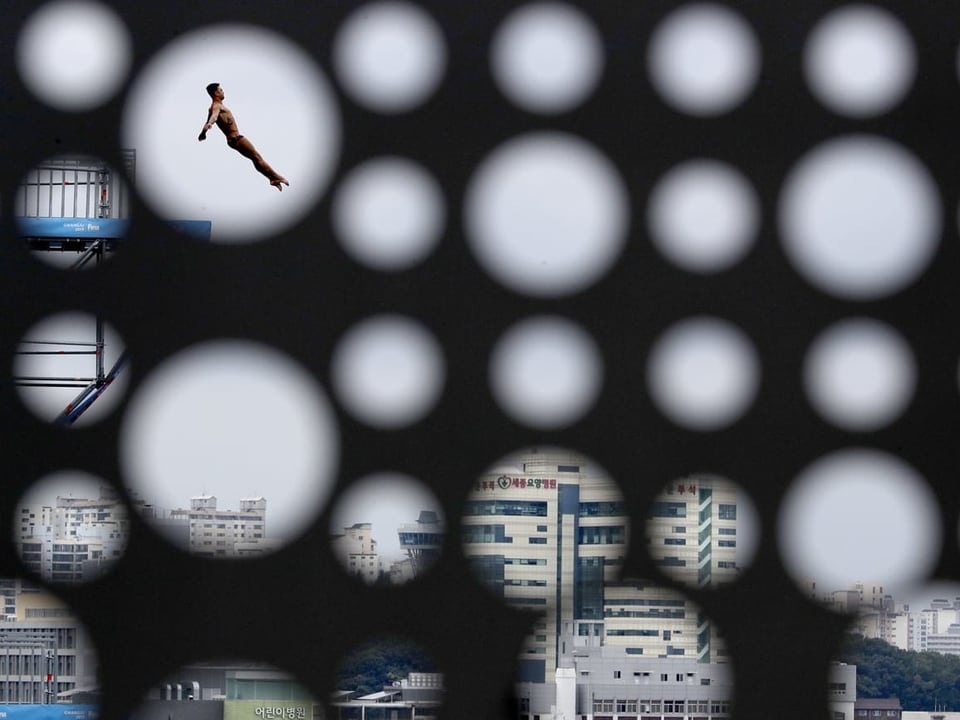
(374, 665)
(922, 680)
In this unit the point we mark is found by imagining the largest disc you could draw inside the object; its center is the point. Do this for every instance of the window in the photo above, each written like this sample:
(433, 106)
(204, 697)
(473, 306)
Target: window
(672, 561)
(663, 677)
(616, 676)
(669, 509)
(537, 541)
(727, 512)
(603, 705)
(602, 509)
(485, 534)
(676, 541)
(727, 543)
(506, 507)
(602, 535)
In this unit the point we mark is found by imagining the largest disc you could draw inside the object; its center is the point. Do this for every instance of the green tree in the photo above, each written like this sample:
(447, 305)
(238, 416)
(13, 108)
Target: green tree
(380, 663)
(920, 680)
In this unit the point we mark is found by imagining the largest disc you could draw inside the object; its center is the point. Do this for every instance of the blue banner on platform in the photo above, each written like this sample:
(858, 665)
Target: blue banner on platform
(60, 227)
(98, 228)
(49, 712)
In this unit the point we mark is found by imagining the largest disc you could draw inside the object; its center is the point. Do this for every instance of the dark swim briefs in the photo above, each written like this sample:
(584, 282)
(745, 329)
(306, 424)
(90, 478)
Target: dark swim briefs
(232, 142)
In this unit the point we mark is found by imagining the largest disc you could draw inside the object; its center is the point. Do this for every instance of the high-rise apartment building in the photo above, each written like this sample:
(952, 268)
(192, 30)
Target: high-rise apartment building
(73, 539)
(357, 550)
(550, 534)
(224, 533)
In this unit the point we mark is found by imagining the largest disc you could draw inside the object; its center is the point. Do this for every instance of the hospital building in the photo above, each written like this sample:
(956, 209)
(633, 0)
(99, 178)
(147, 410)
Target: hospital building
(549, 533)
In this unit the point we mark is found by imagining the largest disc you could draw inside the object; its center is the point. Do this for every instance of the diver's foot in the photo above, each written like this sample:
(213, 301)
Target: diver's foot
(279, 182)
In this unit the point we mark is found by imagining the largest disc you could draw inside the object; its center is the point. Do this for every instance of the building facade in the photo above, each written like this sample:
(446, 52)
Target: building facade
(609, 684)
(550, 535)
(223, 533)
(74, 539)
(357, 550)
(46, 656)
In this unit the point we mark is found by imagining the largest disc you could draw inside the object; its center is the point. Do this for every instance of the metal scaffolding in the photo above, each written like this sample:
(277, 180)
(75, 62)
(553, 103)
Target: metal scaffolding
(74, 204)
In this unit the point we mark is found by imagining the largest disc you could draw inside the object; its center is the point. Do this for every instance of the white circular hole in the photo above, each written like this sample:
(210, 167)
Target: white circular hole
(702, 530)
(388, 371)
(546, 214)
(389, 213)
(222, 430)
(859, 60)
(387, 528)
(72, 211)
(70, 526)
(703, 215)
(74, 54)
(703, 373)
(70, 369)
(855, 514)
(704, 59)
(281, 103)
(547, 57)
(860, 217)
(390, 56)
(860, 374)
(546, 371)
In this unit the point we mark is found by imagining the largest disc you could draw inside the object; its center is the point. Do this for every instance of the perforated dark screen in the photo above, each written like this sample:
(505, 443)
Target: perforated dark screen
(299, 292)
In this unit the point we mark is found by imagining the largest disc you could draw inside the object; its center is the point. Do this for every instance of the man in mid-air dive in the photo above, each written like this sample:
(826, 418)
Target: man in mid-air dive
(224, 120)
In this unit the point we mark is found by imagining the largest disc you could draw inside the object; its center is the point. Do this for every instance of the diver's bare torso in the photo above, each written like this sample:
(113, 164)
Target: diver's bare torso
(225, 121)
